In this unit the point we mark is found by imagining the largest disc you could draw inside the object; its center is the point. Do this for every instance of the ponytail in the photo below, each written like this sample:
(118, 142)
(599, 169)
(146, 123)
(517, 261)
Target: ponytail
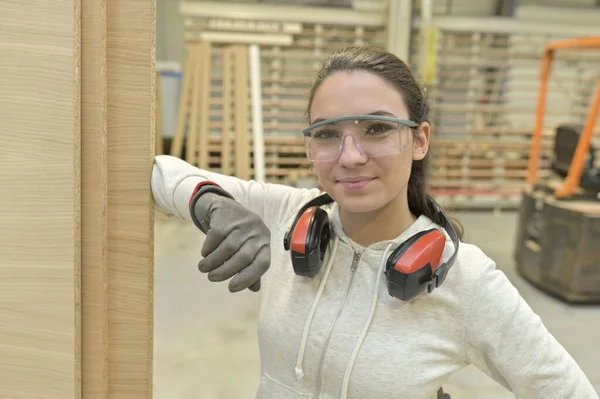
(417, 195)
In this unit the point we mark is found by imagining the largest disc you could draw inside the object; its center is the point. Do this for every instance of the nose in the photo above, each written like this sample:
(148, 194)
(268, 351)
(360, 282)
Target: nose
(350, 153)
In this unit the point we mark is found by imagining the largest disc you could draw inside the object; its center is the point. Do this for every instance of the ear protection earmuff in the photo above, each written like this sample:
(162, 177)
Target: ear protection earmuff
(410, 269)
(308, 237)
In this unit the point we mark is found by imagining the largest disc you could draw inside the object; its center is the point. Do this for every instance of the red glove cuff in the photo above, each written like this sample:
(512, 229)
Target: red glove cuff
(202, 183)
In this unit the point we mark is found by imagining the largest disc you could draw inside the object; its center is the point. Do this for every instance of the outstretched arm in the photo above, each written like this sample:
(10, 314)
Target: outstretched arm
(174, 180)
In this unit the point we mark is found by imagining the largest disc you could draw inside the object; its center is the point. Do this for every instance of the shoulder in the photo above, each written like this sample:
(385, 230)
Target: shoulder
(471, 261)
(479, 283)
(471, 267)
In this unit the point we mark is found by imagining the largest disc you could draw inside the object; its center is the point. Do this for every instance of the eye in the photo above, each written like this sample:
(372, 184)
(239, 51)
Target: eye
(379, 128)
(325, 134)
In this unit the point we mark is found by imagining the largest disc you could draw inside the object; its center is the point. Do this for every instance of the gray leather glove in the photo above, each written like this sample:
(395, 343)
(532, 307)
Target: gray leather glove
(237, 241)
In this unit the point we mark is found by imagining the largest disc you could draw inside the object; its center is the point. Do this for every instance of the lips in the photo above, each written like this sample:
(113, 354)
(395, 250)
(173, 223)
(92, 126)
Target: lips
(355, 183)
(355, 179)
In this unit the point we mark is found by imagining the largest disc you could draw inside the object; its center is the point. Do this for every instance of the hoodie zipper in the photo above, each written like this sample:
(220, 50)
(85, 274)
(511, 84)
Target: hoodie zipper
(355, 261)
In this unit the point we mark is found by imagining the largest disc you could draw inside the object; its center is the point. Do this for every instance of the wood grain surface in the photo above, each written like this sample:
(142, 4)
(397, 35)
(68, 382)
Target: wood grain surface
(94, 200)
(77, 108)
(131, 124)
(39, 200)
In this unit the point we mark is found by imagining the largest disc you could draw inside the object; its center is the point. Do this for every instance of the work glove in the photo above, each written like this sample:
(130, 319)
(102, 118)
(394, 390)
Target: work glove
(237, 241)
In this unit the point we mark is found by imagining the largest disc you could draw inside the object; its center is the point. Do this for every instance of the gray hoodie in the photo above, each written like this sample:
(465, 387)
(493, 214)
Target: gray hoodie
(341, 335)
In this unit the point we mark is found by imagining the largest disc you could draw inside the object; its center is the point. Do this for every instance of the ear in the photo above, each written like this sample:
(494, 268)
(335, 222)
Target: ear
(421, 141)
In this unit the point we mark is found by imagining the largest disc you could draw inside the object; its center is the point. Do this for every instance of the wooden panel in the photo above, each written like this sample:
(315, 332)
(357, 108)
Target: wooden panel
(131, 107)
(184, 100)
(196, 56)
(94, 201)
(242, 128)
(228, 74)
(202, 138)
(39, 200)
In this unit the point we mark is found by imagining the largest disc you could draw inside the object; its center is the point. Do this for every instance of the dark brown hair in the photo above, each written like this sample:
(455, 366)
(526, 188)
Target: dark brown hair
(392, 69)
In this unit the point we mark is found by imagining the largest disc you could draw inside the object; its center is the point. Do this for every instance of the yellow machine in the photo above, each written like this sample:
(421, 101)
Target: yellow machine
(558, 238)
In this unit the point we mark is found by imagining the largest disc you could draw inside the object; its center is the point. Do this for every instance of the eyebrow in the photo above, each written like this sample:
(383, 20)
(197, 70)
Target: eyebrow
(376, 113)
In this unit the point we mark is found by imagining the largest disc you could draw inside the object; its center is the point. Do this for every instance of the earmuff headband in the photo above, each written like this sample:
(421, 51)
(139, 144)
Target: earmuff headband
(440, 274)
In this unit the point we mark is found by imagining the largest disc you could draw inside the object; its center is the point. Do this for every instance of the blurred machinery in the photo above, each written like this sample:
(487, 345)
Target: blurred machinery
(558, 237)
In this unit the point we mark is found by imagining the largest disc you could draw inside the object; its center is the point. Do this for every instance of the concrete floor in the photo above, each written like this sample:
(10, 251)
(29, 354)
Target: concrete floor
(205, 337)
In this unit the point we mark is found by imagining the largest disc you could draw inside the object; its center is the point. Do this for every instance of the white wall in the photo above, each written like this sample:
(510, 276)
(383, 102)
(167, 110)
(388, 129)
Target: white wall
(581, 15)
(559, 3)
(480, 8)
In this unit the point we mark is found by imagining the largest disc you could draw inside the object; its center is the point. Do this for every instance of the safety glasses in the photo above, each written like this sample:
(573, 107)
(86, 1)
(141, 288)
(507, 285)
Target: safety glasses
(373, 135)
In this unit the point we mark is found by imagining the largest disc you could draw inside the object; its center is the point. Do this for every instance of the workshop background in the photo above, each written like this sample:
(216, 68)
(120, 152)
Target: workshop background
(233, 77)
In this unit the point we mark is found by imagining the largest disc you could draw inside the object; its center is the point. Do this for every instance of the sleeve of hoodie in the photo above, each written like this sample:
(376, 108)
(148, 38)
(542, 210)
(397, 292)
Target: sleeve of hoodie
(508, 341)
(174, 180)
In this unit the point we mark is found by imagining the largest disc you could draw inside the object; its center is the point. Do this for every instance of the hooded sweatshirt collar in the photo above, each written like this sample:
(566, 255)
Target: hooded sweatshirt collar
(422, 223)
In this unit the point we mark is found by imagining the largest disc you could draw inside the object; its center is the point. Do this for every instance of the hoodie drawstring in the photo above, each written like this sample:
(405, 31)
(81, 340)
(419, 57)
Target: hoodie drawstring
(363, 333)
(298, 369)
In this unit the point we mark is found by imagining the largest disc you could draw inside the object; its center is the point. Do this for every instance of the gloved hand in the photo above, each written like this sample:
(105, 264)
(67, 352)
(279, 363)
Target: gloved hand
(237, 242)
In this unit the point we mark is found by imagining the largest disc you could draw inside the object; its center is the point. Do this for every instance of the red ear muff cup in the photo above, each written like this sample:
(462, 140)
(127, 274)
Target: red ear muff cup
(410, 267)
(309, 242)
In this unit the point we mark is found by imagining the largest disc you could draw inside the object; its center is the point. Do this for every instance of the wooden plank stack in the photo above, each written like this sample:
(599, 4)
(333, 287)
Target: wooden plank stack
(195, 119)
(289, 58)
(483, 101)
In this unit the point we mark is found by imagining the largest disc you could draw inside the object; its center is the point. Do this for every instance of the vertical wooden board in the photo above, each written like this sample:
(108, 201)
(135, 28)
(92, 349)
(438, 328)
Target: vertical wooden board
(184, 106)
(39, 200)
(226, 111)
(94, 224)
(204, 87)
(242, 129)
(192, 132)
(131, 124)
(158, 137)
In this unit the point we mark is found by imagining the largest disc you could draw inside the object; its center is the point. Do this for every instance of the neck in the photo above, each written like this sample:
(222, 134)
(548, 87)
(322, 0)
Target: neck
(383, 224)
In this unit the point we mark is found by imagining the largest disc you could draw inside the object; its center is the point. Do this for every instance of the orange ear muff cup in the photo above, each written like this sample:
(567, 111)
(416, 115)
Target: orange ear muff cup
(309, 241)
(410, 267)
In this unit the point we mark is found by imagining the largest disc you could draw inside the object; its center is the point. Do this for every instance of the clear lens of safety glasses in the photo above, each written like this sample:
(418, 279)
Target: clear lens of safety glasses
(375, 136)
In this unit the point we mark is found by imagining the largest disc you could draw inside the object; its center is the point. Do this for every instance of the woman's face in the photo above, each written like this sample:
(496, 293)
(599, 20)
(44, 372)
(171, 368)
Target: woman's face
(356, 182)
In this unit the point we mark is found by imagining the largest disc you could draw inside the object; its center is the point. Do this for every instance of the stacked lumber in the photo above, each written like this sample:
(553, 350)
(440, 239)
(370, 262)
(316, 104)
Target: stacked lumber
(196, 109)
(483, 97)
(290, 52)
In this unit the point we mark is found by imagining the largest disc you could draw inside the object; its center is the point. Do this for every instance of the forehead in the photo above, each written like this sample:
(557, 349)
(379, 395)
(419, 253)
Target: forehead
(356, 93)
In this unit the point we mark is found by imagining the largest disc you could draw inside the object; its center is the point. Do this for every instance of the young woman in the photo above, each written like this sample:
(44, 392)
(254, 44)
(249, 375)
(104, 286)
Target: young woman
(369, 292)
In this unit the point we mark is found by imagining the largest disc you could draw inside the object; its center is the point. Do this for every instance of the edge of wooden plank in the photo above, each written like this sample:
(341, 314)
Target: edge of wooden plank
(131, 108)
(94, 201)
(77, 263)
(151, 215)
